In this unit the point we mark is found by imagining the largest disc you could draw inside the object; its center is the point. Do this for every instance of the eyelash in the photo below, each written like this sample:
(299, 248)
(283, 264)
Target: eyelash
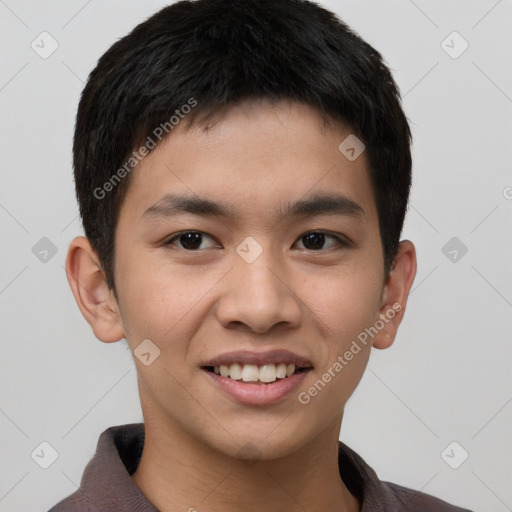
(341, 242)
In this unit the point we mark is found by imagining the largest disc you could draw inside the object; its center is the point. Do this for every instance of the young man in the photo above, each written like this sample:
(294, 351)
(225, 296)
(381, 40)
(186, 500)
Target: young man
(243, 171)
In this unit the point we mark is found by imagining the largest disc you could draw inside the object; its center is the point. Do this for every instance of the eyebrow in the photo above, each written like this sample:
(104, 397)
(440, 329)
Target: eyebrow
(319, 204)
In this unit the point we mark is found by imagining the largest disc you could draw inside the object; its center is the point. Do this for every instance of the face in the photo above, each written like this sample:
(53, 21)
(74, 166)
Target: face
(252, 266)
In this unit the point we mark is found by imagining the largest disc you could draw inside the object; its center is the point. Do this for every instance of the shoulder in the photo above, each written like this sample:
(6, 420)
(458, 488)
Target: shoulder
(75, 502)
(106, 483)
(381, 496)
(416, 501)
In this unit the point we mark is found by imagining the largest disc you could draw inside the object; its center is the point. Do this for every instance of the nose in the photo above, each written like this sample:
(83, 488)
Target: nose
(258, 296)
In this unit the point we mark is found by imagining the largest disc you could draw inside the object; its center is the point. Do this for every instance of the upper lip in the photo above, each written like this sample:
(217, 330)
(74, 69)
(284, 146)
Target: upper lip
(259, 358)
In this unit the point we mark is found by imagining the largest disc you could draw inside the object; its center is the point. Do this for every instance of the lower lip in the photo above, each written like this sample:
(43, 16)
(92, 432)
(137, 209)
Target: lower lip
(258, 394)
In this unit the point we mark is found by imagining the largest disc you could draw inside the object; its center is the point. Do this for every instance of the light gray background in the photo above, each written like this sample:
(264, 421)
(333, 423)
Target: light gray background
(447, 377)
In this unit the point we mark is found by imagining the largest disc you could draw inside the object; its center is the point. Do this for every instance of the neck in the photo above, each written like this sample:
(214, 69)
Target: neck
(177, 473)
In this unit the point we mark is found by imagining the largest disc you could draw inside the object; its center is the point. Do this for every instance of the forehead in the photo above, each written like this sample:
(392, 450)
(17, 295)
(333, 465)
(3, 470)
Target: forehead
(253, 158)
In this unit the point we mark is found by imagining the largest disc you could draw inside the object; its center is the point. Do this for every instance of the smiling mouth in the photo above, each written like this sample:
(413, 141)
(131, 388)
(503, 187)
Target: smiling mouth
(254, 374)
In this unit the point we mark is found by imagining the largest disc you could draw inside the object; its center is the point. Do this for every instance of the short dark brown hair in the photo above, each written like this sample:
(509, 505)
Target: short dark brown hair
(214, 53)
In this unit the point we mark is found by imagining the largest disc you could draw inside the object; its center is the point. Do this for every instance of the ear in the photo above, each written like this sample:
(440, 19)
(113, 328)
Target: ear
(88, 284)
(395, 294)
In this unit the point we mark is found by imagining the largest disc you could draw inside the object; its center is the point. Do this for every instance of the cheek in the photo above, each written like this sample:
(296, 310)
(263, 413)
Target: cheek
(344, 308)
(345, 302)
(160, 301)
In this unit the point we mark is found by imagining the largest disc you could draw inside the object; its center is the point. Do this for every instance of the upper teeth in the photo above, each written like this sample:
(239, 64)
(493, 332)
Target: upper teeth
(254, 373)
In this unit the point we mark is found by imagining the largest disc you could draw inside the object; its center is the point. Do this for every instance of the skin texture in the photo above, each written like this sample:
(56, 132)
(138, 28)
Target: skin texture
(194, 305)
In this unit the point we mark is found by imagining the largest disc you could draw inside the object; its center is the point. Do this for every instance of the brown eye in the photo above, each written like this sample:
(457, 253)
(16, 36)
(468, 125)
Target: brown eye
(315, 240)
(188, 240)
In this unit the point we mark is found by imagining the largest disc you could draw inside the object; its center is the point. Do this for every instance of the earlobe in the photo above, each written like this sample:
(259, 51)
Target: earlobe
(92, 295)
(395, 294)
